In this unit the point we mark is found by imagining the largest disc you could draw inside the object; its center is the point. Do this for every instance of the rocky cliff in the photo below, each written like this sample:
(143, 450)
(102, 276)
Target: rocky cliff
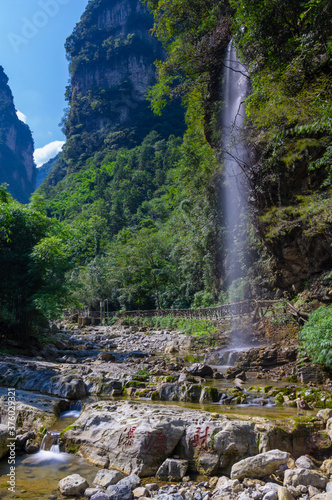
(16, 147)
(111, 54)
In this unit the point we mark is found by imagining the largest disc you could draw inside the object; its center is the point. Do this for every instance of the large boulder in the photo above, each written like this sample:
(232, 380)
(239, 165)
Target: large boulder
(306, 477)
(200, 370)
(45, 378)
(107, 477)
(260, 465)
(130, 437)
(138, 437)
(73, 486)
(131, 481)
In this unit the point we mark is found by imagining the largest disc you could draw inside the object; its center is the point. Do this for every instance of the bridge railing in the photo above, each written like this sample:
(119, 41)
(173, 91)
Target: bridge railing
(236, 309)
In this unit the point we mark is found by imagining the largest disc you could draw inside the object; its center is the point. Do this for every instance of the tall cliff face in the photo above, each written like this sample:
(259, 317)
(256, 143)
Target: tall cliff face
(111, 54)
(17, 167)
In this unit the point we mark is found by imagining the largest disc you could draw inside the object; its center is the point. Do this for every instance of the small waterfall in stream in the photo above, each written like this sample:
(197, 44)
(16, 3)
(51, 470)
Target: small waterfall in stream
(49, 450)
(50, 442)
(74, 410)
(235, 160)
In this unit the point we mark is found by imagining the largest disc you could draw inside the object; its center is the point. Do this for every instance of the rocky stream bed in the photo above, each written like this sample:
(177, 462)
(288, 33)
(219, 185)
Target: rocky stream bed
(125, 412)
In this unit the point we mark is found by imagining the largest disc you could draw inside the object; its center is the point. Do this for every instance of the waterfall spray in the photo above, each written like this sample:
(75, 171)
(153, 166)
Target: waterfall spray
(235, 160)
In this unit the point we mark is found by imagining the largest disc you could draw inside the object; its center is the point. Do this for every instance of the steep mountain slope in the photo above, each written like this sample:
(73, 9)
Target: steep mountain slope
(111, 55)
(16, 147)
(127, 185)
(44, 170)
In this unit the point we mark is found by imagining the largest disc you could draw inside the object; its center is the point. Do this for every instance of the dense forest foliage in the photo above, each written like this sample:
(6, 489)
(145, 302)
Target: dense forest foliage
(139, 204)
(171, 187)
(33, 265)
(143, 217)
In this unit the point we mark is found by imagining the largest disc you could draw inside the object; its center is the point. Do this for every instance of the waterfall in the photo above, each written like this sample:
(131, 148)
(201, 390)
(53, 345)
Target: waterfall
(235, 160)
(49, 451)
(50, 442)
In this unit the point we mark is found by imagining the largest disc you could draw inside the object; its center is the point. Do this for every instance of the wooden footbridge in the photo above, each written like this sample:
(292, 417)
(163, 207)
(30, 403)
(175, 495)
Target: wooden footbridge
(256, 309)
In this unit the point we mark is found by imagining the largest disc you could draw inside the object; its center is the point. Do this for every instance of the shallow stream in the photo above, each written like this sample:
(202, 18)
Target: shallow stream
(38, 475)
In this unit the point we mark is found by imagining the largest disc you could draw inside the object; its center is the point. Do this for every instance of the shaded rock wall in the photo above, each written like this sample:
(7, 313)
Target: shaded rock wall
(17, 167)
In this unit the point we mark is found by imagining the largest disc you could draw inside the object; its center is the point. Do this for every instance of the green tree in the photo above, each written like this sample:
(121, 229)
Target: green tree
(316, 336)
(32, 267)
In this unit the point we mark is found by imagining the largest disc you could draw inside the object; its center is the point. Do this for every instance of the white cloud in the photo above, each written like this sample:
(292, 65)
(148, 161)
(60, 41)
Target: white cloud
(42, 155)
(21, 116)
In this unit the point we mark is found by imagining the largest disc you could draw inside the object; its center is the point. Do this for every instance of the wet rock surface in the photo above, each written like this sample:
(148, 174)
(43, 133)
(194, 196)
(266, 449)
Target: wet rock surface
(137, 438)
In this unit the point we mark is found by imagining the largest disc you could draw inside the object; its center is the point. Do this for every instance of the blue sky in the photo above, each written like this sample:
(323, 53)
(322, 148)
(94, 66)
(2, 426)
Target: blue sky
(32, 38)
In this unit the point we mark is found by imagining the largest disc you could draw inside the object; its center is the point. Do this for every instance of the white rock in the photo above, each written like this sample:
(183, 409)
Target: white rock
(271, 495)
(259, 465)
(270, 486)
(306, 477)
(141, 492)
(106, 477)
(73, 486)
(304, 462)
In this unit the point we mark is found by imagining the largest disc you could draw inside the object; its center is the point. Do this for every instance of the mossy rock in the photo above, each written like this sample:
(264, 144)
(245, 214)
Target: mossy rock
(141, 378)
(193, 394)
(63, 432)
(280, 398)
(73, 449)
(155, 396)
(210, 394)
(135, 383)
(142, 394)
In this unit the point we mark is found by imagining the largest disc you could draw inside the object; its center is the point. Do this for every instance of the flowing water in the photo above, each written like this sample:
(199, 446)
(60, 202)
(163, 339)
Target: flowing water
(38, 475)
(235, 159)
(240, 341)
